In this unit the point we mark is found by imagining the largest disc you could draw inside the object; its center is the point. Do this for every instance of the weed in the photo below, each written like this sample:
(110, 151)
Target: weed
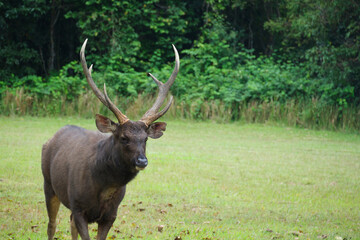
(303, 113)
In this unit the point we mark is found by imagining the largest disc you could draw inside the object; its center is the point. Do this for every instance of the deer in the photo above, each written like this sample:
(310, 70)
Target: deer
(87, 171)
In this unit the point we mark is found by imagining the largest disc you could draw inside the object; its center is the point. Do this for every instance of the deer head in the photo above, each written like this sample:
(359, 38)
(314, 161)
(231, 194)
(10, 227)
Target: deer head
(130, 136)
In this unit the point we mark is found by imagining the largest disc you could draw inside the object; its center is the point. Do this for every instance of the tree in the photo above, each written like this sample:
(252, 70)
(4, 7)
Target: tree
(325, 35)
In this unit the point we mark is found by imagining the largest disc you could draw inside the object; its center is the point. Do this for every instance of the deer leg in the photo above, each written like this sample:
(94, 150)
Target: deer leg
(104, 227)
(52, 205)
(74, 231)
(81, 225)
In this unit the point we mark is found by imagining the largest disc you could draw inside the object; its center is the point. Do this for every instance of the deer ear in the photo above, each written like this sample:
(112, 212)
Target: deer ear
(104, 124)
(155, 130)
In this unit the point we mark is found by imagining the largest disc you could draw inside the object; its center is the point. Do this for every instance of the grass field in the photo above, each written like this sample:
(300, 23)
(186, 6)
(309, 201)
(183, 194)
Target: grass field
(204, 181)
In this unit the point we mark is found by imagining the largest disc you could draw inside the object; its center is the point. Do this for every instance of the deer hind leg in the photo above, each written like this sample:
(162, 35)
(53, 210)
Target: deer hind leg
(52, 205)
(74, 231)
(81, 224)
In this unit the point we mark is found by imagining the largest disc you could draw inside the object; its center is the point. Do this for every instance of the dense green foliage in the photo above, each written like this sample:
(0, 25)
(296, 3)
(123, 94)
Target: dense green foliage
(232, 52)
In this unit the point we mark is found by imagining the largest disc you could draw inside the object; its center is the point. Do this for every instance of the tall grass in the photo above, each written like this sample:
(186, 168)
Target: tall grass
(311, 113)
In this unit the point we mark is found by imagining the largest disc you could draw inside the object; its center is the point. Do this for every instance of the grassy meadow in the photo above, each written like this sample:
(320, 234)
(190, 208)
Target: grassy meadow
(204, 181)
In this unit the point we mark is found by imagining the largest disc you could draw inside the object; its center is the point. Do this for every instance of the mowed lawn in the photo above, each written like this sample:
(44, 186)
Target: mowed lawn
(204, 181)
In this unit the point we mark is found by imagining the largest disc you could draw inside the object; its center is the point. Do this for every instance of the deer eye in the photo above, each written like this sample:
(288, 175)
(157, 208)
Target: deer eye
(124, 140)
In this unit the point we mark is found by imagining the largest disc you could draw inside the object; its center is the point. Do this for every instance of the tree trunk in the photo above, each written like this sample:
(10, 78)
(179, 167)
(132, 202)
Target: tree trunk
(42, 60)
(55, 11)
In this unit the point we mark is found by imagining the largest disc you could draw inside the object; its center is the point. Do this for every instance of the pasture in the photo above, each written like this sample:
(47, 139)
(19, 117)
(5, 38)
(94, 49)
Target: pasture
(204, 181)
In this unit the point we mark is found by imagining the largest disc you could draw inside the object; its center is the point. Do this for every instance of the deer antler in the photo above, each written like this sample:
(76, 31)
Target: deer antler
(152, 114)
(122, 118)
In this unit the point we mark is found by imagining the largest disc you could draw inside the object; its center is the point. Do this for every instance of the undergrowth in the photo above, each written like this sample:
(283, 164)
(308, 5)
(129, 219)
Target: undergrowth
(310, 113)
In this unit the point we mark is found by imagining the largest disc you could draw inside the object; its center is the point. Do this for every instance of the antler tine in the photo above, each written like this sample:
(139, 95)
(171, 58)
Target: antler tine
(104, 99)
(154, 117)
(87, 73)
(119, 115)
(152, 114)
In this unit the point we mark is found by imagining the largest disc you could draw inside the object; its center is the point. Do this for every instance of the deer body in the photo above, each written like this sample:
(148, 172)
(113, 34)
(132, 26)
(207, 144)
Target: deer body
(87, 171)
(90, 162)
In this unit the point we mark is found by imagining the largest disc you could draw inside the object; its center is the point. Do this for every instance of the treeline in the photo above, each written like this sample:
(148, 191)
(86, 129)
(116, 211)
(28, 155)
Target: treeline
(233, 53)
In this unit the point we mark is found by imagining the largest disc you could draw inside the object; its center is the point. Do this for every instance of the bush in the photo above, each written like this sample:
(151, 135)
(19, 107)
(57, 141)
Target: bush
(214, 83)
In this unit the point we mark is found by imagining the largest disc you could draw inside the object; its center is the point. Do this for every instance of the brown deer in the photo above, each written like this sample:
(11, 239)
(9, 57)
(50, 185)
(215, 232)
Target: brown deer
(87, 171)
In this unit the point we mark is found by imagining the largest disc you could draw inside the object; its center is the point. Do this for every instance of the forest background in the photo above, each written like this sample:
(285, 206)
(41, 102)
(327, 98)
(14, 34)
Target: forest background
(289, 61)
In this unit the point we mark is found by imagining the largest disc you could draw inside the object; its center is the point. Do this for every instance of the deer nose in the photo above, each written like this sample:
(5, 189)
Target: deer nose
(141, 163)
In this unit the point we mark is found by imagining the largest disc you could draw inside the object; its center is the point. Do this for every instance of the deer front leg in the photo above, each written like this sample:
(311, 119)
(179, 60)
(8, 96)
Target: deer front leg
(104, 227)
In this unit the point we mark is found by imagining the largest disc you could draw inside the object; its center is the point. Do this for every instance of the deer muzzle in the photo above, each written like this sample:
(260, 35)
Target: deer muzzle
(141, 163)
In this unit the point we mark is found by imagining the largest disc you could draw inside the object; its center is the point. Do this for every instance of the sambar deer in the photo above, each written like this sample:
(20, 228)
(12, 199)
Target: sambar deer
(87, 171)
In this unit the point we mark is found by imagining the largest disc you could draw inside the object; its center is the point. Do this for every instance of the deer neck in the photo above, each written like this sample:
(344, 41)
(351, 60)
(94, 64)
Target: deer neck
(110, 167)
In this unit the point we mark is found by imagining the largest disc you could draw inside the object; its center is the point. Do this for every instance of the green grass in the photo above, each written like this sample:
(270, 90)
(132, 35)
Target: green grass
(204, 181)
